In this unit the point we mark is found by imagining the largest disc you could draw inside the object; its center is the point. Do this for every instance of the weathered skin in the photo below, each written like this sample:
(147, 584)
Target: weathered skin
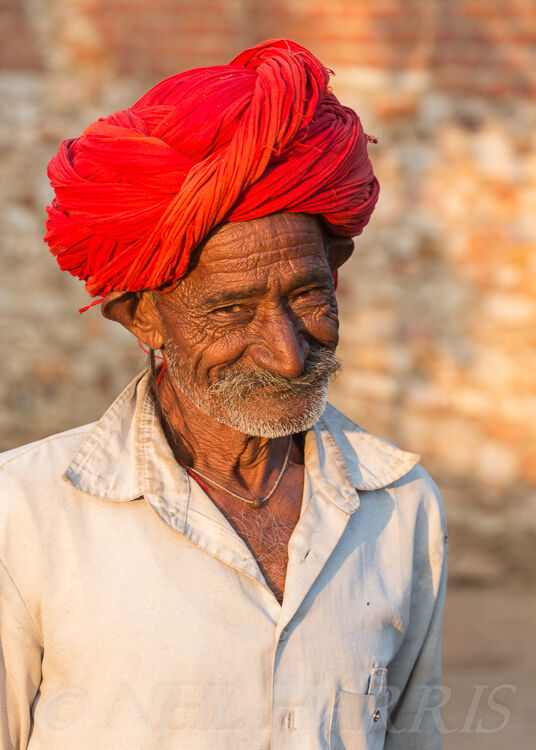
(280, 278)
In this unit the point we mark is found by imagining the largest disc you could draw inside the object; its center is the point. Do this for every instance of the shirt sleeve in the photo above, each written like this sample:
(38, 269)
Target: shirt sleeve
(414, 721)
(20, 665)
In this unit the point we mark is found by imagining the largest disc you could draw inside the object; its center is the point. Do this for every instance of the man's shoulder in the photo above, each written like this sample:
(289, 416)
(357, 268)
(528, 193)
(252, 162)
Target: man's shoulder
(34, 464)
(373, 462)
(377, 465)
(33, 494)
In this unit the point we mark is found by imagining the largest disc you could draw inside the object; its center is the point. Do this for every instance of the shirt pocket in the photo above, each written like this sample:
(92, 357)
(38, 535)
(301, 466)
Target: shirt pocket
(358, 722)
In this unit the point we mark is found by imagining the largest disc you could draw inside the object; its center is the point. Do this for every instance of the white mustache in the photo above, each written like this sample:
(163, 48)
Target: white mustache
(320, 365)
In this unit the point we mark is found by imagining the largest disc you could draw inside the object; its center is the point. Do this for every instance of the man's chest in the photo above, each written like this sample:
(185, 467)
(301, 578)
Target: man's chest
(267, 530)
(267, 537)
(131, 584)
(164, 630)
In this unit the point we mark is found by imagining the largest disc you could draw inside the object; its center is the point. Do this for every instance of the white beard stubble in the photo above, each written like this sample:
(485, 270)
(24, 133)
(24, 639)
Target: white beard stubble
(240, 399)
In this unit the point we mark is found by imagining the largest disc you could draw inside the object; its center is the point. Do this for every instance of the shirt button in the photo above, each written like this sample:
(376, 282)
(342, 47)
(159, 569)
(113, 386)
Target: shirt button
(283, 636)
(376, 715)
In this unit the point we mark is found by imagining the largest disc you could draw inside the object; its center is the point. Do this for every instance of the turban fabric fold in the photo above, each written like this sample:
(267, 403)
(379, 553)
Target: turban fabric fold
(139, 190)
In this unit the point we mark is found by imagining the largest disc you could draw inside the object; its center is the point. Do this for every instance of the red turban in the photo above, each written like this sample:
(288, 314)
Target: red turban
(140, 189)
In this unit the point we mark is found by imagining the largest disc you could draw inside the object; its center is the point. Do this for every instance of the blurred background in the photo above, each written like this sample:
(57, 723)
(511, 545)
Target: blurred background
(437, 304)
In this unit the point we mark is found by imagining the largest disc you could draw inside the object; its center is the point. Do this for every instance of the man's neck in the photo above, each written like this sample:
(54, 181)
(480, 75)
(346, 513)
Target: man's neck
(232, 458)
(243, 464)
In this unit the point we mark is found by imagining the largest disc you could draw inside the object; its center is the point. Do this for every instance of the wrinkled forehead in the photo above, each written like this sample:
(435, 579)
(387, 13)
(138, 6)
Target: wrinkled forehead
(276, 241)
(274, 253)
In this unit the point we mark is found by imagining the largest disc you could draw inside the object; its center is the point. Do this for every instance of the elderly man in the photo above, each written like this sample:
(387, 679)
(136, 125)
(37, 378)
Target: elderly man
(222, 560)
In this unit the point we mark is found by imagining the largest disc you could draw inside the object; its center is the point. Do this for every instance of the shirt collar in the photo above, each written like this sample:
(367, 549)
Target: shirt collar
(371, 462)
(126, 455)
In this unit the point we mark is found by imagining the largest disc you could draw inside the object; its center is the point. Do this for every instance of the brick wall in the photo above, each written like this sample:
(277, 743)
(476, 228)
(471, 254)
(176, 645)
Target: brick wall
(485, 46)
(18, 48)
(468, 46)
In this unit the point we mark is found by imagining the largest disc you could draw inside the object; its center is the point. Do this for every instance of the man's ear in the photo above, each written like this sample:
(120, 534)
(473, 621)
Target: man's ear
(136, 311)
(338, 250)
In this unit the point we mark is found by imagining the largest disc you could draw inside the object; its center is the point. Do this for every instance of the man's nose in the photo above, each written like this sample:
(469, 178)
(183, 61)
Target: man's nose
(282, 347)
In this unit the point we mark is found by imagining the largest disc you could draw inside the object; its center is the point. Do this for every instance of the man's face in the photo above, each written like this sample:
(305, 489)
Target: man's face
(251, 330)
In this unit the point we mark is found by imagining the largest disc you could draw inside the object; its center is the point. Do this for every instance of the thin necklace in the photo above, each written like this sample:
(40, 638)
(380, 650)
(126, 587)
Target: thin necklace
(256, 502)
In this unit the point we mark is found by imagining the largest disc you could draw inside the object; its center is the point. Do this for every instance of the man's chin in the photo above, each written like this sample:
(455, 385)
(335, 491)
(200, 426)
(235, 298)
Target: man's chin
(272, 415)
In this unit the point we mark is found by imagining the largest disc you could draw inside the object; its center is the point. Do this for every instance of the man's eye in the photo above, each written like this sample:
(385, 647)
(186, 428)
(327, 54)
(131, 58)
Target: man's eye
(311, 294)
(230, 309)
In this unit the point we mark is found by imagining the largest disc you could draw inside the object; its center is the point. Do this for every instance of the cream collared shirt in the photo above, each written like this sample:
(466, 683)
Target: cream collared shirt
(132, 616)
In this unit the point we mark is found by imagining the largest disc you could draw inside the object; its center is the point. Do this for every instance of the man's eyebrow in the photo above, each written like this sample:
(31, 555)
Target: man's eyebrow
(227, 296)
